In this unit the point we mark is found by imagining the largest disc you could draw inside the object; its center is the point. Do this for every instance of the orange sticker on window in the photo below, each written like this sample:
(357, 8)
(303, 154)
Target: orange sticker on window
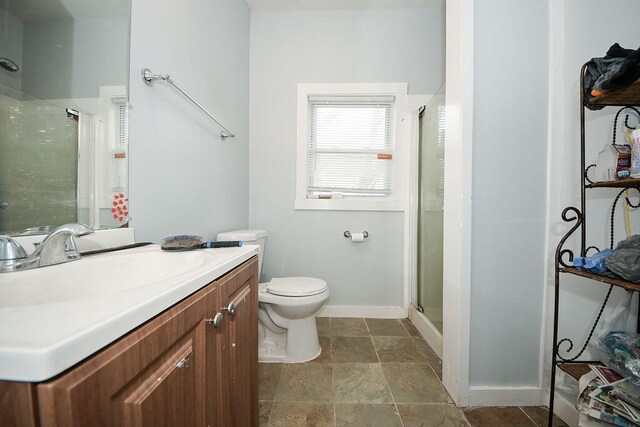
(385, 156)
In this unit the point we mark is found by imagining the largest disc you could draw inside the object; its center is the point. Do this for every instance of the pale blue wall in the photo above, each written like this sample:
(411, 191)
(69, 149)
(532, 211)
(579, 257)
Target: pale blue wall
(184, 179)
(511, 72)
(319, 46)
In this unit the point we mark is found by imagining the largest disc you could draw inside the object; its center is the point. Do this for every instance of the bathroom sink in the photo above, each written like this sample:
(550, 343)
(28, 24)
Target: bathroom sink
(97, 275)
(55, 316)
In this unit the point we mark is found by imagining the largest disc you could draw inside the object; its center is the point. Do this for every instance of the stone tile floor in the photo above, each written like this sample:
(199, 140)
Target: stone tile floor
(372, 372)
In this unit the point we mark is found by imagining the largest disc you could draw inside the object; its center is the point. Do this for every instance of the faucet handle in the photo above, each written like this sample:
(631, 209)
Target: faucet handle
(10, 249)
(70, 247)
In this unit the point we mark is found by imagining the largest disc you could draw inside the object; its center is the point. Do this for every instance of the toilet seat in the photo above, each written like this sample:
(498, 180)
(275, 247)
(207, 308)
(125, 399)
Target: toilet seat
(296, 286)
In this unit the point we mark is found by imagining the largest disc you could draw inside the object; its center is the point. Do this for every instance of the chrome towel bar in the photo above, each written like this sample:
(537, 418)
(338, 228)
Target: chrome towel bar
(149, 77)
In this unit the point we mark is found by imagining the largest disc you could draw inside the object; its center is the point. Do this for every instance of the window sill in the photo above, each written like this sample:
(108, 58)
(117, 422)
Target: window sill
(349, 205)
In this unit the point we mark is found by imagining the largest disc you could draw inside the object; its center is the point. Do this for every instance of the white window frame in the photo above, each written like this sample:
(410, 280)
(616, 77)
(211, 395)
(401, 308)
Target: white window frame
(396, 201)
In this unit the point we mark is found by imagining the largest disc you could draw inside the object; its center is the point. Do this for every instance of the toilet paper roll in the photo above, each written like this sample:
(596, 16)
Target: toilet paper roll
(357, 237)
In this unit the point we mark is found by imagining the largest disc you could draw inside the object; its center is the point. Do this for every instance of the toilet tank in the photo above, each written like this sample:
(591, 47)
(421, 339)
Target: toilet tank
(248, 237)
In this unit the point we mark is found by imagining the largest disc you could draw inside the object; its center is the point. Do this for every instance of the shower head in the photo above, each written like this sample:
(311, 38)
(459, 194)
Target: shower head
(9, 65)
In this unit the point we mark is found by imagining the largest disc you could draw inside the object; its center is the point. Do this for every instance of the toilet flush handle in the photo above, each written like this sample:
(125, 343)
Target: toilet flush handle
(231, 308)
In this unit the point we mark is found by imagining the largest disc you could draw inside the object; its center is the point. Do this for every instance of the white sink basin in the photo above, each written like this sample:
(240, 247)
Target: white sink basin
(96, 275)
(53, 317)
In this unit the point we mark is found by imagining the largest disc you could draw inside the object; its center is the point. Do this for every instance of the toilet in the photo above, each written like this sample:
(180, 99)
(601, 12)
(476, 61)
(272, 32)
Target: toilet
(287, 306)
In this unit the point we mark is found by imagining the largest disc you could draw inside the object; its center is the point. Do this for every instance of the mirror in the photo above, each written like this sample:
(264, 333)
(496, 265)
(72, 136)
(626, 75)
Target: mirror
(64, 69)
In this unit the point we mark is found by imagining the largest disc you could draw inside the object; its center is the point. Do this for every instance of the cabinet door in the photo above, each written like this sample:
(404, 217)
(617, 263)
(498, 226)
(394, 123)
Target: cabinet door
(162, 374)
(239, 346)
(18, 404)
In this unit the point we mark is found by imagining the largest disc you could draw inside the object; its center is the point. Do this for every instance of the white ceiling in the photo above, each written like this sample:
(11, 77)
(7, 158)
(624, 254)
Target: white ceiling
(340, 4)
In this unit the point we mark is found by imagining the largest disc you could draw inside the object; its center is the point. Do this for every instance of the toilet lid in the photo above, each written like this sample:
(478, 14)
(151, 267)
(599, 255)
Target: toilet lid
(296, 286)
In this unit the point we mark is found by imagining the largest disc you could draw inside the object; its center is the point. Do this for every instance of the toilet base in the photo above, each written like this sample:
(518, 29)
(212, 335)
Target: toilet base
(298, 344)
(279, 356)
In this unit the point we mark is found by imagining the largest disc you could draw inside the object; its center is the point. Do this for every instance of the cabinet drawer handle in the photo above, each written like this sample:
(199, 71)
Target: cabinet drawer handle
(231, 309)
(216, 321)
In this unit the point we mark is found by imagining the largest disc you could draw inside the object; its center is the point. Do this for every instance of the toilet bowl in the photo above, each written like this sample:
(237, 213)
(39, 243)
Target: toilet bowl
(287, 329)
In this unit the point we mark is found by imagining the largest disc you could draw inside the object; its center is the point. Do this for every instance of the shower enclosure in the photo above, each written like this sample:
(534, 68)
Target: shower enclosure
(431, 208)
(38, 164)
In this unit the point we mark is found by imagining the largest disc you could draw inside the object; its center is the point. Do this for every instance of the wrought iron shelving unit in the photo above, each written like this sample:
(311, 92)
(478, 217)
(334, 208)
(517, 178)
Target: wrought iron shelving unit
(629, 96)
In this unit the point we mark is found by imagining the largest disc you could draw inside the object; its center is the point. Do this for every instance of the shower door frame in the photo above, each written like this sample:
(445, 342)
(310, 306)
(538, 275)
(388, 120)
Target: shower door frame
(457, 203)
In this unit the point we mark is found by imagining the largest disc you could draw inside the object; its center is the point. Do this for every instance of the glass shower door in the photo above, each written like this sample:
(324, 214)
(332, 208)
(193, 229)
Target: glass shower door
(431, 208)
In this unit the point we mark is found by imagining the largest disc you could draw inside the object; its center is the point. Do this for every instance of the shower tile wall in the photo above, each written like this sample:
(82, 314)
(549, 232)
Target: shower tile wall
(39, 146)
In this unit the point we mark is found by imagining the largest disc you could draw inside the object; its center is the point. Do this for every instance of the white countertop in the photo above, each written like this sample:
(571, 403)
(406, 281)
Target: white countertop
(39, 340)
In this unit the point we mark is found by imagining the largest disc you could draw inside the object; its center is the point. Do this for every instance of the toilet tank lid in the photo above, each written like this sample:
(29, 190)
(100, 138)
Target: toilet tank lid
(244, 235)
(296, 286)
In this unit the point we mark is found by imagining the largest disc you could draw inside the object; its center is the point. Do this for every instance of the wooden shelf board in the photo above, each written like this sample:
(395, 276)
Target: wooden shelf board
(630, 286)
(621, 183)
(577, 369)
(629, 95)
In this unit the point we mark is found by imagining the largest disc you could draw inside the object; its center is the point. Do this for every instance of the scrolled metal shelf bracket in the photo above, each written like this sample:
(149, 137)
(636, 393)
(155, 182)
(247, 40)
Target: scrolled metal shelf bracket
(566, 217)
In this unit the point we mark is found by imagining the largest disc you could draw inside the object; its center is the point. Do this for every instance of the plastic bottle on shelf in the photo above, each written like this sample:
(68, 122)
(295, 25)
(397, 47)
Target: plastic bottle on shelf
(635, 153)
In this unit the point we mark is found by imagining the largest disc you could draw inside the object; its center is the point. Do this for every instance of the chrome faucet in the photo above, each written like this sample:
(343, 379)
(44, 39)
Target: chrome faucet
(57, 247)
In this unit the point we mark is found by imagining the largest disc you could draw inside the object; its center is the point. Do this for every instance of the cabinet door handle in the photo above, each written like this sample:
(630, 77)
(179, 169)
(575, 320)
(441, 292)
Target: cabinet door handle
(183, 363)
(231, 309)
(216, 321)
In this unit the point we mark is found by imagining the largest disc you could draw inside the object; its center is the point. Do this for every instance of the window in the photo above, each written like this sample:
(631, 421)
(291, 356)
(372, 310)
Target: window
(347, 146)
(349, 151)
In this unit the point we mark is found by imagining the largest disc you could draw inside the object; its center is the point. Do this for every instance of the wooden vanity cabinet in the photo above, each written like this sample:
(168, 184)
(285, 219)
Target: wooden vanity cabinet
(178, 369)
(239, 349)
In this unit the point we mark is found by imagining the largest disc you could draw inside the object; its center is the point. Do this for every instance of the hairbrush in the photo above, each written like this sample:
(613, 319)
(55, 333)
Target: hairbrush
(187, 243)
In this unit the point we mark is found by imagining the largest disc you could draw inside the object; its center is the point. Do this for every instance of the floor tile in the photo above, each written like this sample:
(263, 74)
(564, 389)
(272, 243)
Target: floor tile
(397, 350)
(294, 414)
(352, 350)
(347, 327)
(360, 383)
(414, 383)
(386, 327)
(410, 328)
(437, 369)
(324, 327)
(264, 410)
(430, 355)
(268, 377)
(325, 356)
(367, 415)
(491, 417)
(424, 348)
(348, 372)
(540, 416)
(308, 382)
(431, 415)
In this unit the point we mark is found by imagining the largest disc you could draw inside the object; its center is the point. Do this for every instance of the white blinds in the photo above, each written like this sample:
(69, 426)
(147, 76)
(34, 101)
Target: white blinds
(350, 146)
(120, 161)
(442, 121)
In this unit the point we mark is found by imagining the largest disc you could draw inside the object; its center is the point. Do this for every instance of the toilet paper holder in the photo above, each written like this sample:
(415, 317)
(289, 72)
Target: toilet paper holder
(347, 234)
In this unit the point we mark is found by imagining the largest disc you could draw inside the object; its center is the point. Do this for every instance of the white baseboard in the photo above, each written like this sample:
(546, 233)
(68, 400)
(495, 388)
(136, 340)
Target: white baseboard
(362, 311)
(507, 396)
(564, 409)
(430, 333)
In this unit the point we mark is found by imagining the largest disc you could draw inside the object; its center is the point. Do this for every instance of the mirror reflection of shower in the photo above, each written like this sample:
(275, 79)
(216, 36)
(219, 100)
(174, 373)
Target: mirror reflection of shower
(8, 65)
